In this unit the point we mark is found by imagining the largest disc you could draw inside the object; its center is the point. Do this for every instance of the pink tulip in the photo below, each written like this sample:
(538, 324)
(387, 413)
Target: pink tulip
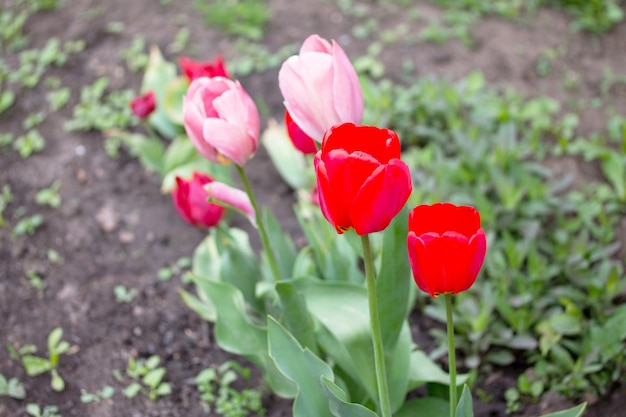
(320, 87)
(191, 201)
(221, 120)
(231, 197)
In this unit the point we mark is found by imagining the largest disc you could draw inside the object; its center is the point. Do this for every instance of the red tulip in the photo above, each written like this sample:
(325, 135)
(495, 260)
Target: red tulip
(196, 69)
(300, 140)
(142, 106)
(446, 247)
(361, 180)
(191, 200)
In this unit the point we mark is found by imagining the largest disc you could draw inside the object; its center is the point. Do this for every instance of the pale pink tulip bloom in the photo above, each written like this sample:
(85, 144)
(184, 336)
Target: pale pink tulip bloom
(224, 194)
(221, 120)
(320, 87)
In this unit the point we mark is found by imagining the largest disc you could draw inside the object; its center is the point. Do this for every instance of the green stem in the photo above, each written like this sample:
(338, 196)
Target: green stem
(451, 355)
(377, 339)
(260, 225)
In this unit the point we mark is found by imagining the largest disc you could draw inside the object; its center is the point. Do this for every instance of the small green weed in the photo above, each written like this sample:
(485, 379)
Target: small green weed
(36, 365)
(49, 196)
(35, 410)
(5, 198)
(246, 18)
(146, 377)
(218, 395)
(13, 388)
(177, 268)
(28, 225)
(125, 295)
(105, 393)
(99, 111)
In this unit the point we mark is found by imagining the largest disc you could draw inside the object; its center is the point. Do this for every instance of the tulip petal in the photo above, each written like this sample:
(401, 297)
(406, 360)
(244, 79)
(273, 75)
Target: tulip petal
(222, 193)
(229, 140)
(478, 246)
(381, 197)
(326, 196)
(306, 85)
(347, 92)
(346, 173)
(382, 144)
(193, 120)
(442, 217)
(315, 43)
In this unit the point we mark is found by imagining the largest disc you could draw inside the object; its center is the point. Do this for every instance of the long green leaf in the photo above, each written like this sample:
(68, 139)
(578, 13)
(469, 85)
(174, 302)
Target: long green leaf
(303, 368)
(236, 332)
(465, 406)
(424, 407)
(296, 315)
(339, 406)
(158, 74)
(394, 281)
(570, 412)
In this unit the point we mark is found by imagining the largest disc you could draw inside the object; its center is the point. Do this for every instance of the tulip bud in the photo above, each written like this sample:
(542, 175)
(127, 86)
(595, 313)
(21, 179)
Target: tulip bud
(221, 120)
(320, 87)
(191, 201)
(142, 106)
(446, 247)
(196, 69)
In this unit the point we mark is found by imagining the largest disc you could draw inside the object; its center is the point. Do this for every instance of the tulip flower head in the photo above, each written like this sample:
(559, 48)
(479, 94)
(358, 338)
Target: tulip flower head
(320, 87)
(362, 183)
(196, 69)
(191, 201)
(221, 120)
(144, 105)
(446, 247)
(303, 142)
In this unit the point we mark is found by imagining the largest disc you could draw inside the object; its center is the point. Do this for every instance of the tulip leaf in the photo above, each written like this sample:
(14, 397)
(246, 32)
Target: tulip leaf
(338, 404)
(206, 261)
(236, 332)
(394, 283)
(290, 163)
(424, 370)
(465, 406)
(570, 412)
(296, 316)
(342, 310)
(175, 90)
(424, 407)
(178, 153)
(334, 256)
(204, 308)
(238, 264)
(302, 367)
(158, 74)
(282, 245)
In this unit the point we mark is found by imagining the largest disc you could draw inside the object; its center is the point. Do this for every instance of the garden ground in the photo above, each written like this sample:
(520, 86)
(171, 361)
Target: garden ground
(115, 228)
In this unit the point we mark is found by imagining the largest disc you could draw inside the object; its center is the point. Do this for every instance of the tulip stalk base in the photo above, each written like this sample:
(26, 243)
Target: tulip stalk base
(451, 355)
(377, 339)
(260, 225)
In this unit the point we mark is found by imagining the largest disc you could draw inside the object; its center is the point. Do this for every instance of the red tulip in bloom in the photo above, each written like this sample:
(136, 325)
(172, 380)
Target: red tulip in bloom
(143, 105)
(196, 69)
(191, 200)
(446, 247)
(361, 180)
(300, 140)
(221, 120)
(320, 87)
